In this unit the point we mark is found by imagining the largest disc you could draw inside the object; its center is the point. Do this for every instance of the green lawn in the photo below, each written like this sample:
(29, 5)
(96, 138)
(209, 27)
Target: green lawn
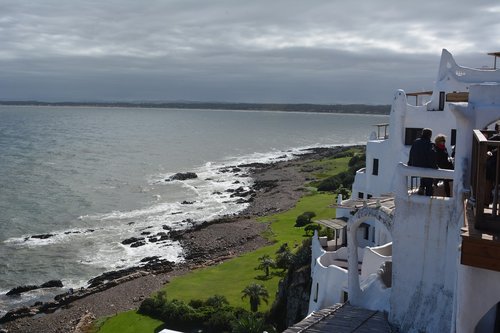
(130, 322)
(231, 277)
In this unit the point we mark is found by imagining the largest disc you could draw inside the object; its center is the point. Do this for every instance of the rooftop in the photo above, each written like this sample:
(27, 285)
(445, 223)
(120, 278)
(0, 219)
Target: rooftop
(343, 318)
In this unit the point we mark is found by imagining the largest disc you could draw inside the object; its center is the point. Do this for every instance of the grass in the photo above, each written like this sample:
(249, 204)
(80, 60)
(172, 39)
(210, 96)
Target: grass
(130, 322)
(231, 277)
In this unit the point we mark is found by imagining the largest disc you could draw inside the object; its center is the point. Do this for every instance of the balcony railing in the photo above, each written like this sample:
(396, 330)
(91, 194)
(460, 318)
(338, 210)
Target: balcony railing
(485, 178)
(409, 179)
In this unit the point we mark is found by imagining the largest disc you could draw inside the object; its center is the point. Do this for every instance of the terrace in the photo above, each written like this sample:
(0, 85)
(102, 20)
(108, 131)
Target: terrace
(481, 232)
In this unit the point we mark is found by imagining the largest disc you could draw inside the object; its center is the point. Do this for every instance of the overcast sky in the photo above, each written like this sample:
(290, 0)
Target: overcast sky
(236, 51)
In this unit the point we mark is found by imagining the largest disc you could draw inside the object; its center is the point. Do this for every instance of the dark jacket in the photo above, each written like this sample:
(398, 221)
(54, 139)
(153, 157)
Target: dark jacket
(422, 154)
(442, 158)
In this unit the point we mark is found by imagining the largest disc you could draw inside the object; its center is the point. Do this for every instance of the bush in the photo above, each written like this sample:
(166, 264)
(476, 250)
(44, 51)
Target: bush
(304, 219)
(309, 229)
(284, 257)
(303, 255)
(345, 178)
(216, 301)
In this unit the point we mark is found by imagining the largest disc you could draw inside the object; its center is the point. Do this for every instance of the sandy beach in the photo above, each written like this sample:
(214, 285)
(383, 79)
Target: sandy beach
(277, 188)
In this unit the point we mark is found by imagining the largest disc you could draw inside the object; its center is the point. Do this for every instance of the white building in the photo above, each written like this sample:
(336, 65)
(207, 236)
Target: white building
(431, 263)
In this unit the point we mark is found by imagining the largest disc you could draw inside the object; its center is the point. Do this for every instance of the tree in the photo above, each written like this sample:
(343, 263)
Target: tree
(249, 323)
(304, 219)
(309, 229)
(217, 301)
(256, 293)
(284, 257)
(265, 264)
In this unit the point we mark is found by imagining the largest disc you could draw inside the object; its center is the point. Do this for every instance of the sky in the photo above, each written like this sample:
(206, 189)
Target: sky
(264, 51)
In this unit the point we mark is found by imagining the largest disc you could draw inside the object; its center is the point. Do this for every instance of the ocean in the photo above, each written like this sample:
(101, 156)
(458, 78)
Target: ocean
(77, 181)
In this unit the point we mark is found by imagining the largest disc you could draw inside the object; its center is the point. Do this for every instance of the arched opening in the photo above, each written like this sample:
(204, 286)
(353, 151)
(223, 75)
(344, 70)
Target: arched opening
(490, 322)
(374, 259)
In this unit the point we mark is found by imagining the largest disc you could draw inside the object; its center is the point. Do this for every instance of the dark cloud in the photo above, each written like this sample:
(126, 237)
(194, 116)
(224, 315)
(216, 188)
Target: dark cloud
(262, 51)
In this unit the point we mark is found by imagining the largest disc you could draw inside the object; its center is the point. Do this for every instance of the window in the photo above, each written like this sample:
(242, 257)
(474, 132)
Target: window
(375, 167)
(453, 139)
(345, 296)
(411, 134)
(441, 100)
(367, 233)
(316, 293)
(368, 196)
(360, 195)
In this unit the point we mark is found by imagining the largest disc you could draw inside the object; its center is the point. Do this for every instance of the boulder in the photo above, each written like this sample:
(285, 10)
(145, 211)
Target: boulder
(52, 284)
(21, 289)
(132, 240)
(138, 243)
(183, 176)
(43, 236)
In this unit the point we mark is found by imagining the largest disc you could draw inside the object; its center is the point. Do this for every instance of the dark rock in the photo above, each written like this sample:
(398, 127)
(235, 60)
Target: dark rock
(138, 244)
(21, 289)
(132, 240)
(265, 184)
(43, 236)
(187, 202)
(110, 276)
(148, 259)
(176, 234)
(145, 233)
(17, 313)
(183, 176)
(166, 227)
(242, 194)
(217, 193)
(254, 165)
(52, 284)
(242, 201)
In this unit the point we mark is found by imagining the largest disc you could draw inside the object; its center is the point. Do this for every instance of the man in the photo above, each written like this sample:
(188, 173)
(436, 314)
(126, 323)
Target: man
(423, 155)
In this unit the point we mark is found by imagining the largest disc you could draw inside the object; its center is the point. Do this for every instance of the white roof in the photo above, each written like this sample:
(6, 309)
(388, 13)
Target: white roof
(169, 331)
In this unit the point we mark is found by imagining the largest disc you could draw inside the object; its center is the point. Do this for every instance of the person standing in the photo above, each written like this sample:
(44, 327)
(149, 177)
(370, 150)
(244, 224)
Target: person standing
(443, 159)
(423, 155)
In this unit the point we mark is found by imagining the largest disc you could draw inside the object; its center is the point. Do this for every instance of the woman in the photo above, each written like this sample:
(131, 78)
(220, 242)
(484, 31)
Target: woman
(443, 159)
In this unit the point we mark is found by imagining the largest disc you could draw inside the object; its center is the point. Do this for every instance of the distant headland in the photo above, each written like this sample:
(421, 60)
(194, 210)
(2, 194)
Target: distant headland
(302, 107)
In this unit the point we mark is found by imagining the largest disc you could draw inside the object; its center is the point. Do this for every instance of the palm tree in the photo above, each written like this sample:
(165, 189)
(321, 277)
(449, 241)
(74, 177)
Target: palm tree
(248, 324)
(256, 293)
(266, 263)
(217, 301)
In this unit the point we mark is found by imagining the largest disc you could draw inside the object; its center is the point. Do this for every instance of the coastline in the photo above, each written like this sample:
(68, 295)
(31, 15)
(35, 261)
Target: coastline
(277, 186)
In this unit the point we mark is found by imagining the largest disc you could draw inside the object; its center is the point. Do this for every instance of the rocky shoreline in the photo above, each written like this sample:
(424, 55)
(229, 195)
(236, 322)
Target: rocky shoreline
(277, 187)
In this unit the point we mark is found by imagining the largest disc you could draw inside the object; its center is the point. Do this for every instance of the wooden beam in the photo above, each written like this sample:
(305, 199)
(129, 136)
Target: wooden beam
(480, 253)
(457, 97)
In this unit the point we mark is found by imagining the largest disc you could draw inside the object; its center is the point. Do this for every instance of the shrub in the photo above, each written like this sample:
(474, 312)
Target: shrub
(216, 301)
(284, 257)
(304, 219)
(345, 178)
(309, 229)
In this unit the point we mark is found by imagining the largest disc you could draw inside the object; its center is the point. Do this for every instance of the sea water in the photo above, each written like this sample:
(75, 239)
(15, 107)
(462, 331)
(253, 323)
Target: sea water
(77, 181)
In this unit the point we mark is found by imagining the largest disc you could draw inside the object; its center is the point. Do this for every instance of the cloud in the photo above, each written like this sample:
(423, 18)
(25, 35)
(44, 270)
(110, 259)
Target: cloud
(279, 51)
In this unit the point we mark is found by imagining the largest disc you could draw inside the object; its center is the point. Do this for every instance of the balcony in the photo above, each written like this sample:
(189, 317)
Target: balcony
(481, 233)
(485, 178)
